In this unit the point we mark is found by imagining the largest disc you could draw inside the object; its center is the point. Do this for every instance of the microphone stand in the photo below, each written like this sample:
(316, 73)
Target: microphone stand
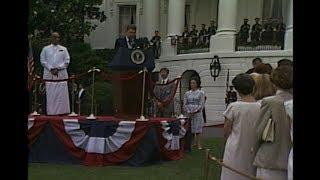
(142, 118)
(181, 116)
(93, 70)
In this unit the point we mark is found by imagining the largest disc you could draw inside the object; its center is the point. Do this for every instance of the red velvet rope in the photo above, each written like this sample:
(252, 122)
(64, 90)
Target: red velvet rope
(107, 76)
(33, 78)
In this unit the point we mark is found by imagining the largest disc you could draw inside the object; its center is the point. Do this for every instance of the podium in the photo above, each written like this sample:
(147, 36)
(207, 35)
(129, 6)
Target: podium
(128, 83)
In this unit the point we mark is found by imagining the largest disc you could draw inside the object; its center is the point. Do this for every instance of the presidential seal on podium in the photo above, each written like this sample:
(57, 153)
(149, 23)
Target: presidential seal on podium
(137, 56)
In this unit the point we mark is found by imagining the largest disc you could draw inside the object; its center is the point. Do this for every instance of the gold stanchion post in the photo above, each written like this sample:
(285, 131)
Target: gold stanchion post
(181, 116)
(93, 70)
(142, 118)
(206, 165)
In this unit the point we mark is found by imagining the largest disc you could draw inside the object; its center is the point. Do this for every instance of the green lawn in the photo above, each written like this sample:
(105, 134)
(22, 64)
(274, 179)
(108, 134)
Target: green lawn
(189, 168)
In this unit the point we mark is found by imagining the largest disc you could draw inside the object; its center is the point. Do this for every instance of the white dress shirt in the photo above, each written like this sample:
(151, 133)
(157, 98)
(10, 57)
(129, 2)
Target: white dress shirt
(164, 81)
(129, 45)
(55, 56)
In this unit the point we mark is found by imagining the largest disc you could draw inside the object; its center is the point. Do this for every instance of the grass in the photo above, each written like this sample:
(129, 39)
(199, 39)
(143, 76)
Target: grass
(189, 168)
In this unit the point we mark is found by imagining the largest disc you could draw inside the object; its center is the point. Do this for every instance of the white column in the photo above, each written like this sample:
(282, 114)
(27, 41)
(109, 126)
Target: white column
(224, 40)
(151, 16)
(288, 40)
(176, 13)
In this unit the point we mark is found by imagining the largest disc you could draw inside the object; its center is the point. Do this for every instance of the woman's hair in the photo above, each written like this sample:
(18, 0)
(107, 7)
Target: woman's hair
(243, 83)
(198, 81)
(282, 77)
(263, 86)
(283, 62)
(263, 69)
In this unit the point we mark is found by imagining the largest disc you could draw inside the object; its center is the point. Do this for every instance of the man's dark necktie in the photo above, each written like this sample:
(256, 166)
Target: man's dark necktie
(130, 42)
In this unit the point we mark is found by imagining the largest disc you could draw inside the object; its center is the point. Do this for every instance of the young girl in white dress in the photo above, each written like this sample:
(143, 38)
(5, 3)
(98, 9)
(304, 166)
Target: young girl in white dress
(240, 118)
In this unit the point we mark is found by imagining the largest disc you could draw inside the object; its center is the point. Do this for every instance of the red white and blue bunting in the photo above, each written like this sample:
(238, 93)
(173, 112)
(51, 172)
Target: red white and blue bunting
(101, 145)
(173, 131)
(109, 141)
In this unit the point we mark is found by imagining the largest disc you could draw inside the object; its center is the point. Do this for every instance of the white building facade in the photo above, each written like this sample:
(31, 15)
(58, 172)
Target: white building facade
(170, 17)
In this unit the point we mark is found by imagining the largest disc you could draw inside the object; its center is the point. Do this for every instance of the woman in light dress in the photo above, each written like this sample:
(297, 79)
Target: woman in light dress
(240, 118)
(273, 129)
(193, 104)
(288, 106)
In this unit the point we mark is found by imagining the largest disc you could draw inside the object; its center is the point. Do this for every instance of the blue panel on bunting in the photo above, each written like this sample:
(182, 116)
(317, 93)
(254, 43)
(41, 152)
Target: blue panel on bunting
(98, 128)
(175, 127)
(122, 60)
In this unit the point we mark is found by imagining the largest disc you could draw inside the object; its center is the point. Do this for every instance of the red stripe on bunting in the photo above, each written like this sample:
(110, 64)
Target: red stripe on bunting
(35, 131)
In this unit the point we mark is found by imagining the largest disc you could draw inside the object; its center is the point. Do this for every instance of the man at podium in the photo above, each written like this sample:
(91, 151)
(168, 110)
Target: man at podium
(129, 41)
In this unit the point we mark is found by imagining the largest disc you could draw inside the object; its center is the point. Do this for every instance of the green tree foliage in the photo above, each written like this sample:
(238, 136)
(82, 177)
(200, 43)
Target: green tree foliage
(70, 18)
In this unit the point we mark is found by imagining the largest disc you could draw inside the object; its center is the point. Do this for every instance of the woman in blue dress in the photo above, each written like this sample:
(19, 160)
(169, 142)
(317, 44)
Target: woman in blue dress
(193, 104)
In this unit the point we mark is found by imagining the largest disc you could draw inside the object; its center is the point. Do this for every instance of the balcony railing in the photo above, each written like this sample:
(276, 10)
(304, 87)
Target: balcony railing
(196, 44)
(267, 40)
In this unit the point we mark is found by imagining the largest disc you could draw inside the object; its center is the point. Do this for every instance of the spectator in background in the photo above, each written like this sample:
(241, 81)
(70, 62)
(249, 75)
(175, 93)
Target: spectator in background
(231, 96)
(240, 118)
(267, 23)
(267, 35)
(273, 129)
(263, 69)
(185, 36)
(255, 62)
(256, 31)
(280, 31)
(156, 40)
(286, 62)
(203, 30)
(212, 29)
(202, 34)
(244, 31)
(194, 34)
(283, 62)
(263, 86)
(270, 68)
(162, 92)
(185, 32)
(194, 31)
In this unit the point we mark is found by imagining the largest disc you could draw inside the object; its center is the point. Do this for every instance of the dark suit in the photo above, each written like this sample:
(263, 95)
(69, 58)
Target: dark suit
(255, 32)
(163, 92)
(122, 42)
(212, 30)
